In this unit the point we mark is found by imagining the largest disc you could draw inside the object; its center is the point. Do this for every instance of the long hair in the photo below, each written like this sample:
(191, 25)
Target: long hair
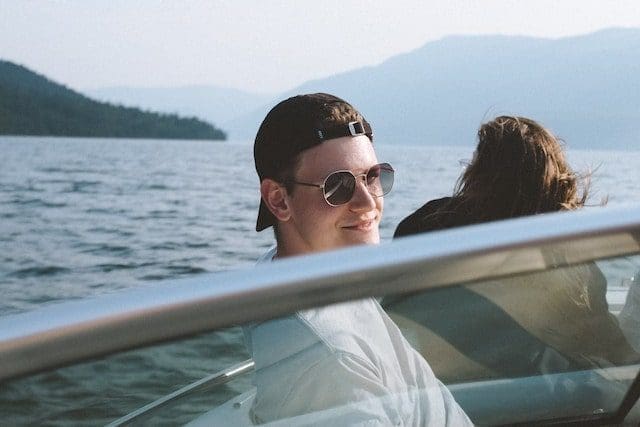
(518, 168)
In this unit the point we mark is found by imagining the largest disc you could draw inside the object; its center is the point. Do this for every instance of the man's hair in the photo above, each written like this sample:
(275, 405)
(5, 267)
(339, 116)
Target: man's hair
(519, 168)
(293, 126)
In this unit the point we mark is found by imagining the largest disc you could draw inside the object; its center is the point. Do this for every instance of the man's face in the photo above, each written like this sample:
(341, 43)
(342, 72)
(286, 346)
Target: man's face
(314, 225)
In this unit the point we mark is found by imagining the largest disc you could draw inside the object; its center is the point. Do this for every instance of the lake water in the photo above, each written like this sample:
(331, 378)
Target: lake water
(81, 217)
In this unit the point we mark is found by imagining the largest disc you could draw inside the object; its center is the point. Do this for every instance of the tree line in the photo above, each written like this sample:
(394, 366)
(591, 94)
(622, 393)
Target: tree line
(31, 104)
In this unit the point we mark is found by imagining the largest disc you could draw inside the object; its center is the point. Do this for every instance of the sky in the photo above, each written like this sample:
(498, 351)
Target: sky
(262, 46)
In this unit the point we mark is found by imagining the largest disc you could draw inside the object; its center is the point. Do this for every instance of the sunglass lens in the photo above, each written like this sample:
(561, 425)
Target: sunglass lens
(380, 179)
(386, 177)
(339, 187)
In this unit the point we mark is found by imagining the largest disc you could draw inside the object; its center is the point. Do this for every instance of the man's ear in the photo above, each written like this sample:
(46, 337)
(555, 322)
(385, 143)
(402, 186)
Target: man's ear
(275, 197)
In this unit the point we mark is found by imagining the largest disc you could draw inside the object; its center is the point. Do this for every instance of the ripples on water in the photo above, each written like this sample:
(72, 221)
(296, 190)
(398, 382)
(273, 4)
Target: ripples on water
(83, 216)
(80, 217)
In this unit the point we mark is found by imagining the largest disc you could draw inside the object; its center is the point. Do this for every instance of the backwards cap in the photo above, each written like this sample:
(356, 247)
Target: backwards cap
(294, 125)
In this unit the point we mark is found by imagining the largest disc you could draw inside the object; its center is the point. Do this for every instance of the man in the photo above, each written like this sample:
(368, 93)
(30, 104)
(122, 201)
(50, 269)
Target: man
(322, 187)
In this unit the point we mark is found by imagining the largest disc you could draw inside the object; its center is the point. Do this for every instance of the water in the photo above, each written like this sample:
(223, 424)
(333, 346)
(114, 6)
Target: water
(81, 217)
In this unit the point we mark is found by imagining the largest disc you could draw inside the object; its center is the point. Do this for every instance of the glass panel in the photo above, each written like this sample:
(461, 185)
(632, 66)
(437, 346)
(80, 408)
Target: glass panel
(548, 345)
(552, 344)
(99, 392)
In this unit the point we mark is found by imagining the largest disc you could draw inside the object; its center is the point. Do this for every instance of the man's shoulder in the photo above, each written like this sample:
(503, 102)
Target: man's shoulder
(310, 336)
(356, 327)
(346, 315)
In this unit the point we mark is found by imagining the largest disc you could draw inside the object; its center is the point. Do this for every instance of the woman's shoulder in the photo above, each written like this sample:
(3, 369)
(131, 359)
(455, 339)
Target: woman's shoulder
(419, 221)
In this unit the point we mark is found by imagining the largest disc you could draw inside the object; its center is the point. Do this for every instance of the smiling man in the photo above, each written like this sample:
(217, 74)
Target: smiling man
(322, 188)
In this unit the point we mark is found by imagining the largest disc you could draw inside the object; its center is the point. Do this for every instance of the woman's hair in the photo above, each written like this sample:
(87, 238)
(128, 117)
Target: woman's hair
(518, 168)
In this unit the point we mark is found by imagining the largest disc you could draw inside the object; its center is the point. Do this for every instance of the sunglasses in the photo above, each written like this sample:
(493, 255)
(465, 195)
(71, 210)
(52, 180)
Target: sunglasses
(338, 187)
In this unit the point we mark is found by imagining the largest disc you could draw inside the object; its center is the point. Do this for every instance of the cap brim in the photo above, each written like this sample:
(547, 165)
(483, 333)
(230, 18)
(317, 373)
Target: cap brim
(265, 217)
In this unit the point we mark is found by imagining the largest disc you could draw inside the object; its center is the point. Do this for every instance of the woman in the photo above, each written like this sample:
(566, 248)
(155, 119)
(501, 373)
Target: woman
(518, 169)
(550, 321)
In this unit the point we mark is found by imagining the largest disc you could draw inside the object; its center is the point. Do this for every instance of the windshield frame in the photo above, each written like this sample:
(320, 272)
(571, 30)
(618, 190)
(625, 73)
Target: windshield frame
(40, 340)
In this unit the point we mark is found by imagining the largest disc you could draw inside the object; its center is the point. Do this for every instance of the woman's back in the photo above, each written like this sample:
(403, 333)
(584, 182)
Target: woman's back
(519, 169)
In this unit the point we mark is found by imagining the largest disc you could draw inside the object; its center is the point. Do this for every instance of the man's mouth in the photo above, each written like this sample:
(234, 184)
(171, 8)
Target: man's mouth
(365, 225)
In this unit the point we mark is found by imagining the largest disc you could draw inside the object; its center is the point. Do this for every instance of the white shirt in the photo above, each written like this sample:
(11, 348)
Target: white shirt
(344, 364)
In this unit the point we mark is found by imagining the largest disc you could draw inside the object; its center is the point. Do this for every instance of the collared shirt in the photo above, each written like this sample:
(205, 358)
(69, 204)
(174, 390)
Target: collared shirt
(345, 364)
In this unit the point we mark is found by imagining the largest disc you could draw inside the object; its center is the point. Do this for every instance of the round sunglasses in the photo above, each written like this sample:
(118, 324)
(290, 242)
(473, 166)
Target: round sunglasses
(338, 187)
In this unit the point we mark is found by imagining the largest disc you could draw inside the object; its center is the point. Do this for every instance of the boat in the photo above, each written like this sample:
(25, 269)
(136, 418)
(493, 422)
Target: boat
(557, 385)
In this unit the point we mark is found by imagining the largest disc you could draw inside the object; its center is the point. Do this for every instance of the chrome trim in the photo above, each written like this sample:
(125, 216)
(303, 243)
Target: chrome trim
(203, 384)
(65, 333)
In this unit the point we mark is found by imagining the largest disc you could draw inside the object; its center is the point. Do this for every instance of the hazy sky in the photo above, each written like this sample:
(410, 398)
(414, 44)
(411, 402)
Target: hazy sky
(262, 46)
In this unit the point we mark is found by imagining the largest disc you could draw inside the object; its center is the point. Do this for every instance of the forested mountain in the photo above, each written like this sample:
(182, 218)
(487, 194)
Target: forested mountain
(585, 88)
(30, 104)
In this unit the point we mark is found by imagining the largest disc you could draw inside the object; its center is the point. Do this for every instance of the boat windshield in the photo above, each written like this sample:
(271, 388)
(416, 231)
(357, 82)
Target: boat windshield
(531, 334)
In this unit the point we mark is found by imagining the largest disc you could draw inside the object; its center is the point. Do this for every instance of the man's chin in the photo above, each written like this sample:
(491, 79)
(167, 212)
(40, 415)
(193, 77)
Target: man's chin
(363, 239)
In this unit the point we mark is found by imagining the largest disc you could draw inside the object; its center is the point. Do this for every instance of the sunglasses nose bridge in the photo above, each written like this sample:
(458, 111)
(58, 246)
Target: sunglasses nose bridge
(362, 189)
(363, 180)
(361, 177)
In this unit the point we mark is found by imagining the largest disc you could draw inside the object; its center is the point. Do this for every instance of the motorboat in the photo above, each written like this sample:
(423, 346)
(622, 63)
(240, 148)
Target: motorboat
(530, 321)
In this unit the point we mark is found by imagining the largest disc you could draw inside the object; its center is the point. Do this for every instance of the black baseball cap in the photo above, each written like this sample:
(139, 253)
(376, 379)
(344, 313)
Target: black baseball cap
(294, 125)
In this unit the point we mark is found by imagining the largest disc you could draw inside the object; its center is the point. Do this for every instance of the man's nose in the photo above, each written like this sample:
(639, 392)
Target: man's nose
(362, 199)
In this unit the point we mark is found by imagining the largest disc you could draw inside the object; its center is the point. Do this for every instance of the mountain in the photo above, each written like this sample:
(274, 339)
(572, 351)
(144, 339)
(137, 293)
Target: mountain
(31, 104)
(585, 89)
(211, 103)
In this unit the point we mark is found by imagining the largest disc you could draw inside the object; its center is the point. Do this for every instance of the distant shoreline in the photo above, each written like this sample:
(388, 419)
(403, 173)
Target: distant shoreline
(110, 138)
